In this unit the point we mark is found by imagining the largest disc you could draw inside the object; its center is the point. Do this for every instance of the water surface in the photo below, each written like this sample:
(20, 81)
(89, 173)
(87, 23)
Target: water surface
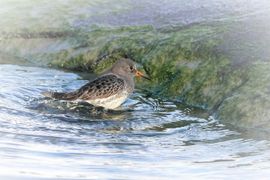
(145, 139)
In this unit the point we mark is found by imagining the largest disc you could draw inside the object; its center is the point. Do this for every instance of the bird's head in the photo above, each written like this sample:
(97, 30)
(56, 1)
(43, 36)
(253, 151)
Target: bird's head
(127, 67)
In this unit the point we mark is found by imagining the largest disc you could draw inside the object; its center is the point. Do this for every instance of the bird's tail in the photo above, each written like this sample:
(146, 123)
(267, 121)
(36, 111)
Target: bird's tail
(60, 95)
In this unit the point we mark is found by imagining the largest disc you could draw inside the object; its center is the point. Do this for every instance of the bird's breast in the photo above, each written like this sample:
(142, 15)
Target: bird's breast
(110, 102)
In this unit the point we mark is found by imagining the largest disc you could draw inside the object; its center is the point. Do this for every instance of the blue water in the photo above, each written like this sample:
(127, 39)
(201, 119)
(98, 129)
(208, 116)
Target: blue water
(145, 139)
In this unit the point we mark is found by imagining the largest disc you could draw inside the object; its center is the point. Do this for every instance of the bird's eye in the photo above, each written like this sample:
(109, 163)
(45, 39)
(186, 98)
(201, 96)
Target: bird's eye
(131, 68)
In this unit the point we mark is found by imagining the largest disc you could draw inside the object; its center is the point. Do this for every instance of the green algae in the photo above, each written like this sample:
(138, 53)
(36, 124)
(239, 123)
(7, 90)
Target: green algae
(249, 106)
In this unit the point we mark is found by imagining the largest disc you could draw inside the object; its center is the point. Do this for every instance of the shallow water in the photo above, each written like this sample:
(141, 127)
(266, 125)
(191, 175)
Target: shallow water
(146, 138)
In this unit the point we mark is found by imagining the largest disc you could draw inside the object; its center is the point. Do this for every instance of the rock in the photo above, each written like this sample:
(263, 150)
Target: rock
(221, 66)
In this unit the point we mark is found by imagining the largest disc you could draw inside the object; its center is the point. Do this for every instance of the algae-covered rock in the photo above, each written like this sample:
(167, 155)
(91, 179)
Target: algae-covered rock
(249, 106)
(185, 64)
(221, 65)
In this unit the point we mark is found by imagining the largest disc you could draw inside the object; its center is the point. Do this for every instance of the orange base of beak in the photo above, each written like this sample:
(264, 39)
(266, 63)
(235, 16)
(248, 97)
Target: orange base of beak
(140, 74)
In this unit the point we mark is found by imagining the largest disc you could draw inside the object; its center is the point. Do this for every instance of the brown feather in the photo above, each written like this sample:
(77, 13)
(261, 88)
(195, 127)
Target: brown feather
(101, 87)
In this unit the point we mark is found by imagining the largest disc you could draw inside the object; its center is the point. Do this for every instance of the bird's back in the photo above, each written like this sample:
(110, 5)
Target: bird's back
(109, 91)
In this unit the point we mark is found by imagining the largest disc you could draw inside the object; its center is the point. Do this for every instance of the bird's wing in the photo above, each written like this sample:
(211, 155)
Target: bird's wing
(101, 87)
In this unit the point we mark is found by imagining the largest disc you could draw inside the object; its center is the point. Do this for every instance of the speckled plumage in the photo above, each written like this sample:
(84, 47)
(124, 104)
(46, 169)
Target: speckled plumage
(109, 90)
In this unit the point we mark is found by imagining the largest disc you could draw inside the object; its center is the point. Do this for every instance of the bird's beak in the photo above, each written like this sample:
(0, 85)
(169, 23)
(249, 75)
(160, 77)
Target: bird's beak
(140, 74)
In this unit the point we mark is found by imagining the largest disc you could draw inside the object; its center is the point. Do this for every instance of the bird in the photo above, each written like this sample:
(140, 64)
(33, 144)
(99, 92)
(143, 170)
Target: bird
(109, 90)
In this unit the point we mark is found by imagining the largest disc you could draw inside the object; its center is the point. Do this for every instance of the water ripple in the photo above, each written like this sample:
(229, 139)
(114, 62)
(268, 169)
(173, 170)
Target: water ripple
(146, 138)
